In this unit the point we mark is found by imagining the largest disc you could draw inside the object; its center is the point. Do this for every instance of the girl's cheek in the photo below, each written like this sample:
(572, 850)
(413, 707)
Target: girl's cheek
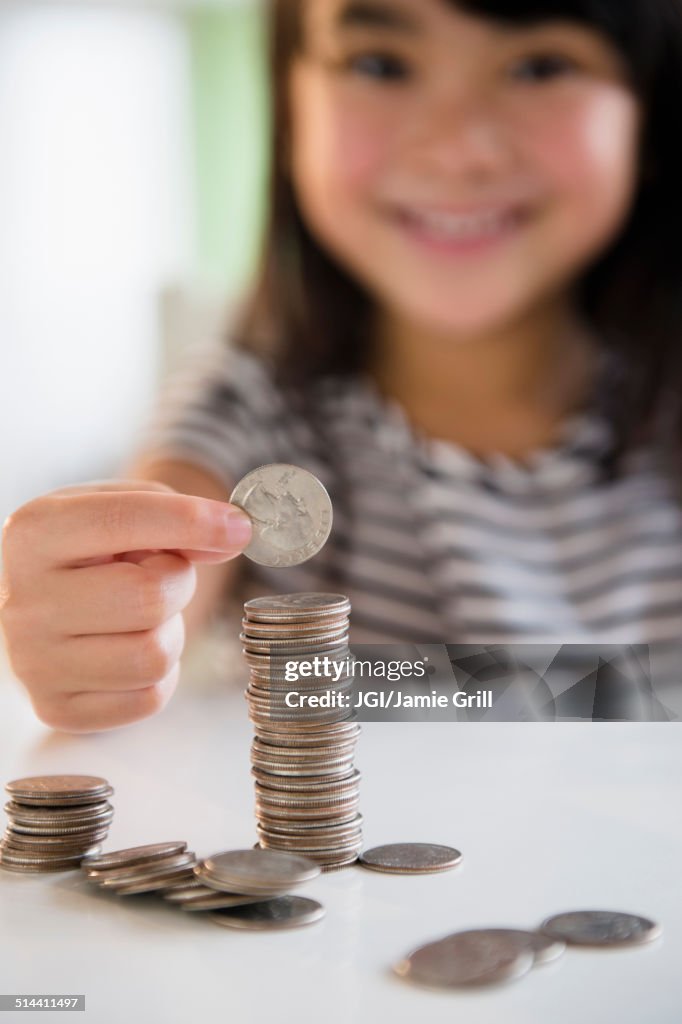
(340, 136)
(585, 149)
(362, 146)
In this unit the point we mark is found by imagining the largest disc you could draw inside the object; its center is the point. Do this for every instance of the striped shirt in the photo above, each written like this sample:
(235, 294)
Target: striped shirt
(431, 543)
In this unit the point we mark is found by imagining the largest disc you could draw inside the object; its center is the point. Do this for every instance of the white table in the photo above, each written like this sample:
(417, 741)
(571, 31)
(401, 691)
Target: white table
(548, 816)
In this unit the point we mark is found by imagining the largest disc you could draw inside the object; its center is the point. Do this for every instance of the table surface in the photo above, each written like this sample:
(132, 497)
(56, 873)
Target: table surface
(549, 817)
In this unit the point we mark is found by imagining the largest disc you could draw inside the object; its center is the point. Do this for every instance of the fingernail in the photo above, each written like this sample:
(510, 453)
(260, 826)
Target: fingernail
(240, 528)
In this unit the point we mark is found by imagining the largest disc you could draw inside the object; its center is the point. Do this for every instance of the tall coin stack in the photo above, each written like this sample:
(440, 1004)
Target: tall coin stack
(54, 821)
(307, 788)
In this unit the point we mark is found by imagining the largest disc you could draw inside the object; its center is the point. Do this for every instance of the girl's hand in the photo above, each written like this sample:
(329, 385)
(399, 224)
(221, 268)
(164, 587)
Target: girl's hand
(94, 584)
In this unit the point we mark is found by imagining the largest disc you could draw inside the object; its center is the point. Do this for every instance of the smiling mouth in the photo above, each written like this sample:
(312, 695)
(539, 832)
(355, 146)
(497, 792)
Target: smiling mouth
(461, 231)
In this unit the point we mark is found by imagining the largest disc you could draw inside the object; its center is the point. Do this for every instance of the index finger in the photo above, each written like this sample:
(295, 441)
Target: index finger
(102, 523)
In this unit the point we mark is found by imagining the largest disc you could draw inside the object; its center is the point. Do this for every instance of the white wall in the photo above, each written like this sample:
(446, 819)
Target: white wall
(95, 219)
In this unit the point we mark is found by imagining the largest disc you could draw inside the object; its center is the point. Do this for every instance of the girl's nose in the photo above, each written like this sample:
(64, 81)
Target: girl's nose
(460, 135)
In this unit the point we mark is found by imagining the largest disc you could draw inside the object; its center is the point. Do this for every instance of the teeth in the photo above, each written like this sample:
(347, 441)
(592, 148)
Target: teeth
(451, 225)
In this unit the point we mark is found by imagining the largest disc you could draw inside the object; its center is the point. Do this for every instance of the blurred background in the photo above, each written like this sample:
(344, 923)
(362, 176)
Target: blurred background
(132, 189)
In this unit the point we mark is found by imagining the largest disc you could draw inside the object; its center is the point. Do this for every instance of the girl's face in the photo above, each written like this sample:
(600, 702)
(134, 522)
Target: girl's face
(462, 171)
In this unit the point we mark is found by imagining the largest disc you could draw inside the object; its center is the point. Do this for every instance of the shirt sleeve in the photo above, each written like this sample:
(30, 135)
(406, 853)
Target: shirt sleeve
(217, 410)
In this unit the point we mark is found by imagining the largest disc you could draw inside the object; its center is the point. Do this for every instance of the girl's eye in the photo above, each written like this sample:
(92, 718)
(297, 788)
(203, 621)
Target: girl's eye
(543, 67)
(382, 66)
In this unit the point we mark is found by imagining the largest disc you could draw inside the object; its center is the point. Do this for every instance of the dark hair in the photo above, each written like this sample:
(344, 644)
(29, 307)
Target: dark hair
(314, 318)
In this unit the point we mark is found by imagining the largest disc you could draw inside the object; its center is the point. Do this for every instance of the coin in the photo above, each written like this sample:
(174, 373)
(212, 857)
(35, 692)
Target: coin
(290, 512)
(182, 891)
(49, 786)
(155, 883)
(302, 758)
(57, 861)
(304, 607)
(54, 820)
(256, 871)
(410, 858)
(216, 900)
(280, 912)
(51, 813)
(134, 855)
(600, 928)
(466, 959)
(76, 800)
(112, 876)
(543, 947)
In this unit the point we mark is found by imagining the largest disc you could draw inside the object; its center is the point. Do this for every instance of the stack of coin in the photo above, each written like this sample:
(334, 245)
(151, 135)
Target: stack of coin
(307, 789)
(141, 869)
(54, 821)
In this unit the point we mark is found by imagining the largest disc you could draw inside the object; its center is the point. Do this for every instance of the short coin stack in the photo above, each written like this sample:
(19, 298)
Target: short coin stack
(141, 869)
(307, 788)
(54, 821)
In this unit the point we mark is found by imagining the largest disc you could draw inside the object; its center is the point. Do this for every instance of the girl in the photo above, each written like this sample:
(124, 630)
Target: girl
(466, 324)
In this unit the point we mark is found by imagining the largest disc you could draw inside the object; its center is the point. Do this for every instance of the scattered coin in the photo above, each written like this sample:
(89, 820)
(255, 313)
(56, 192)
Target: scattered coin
(600, 928)
(54, 821)
(154, 884)
(290, 512)
(543, 947)
(113, 877)
(134, 855)
(280, 912)
(410, 858)
(466, 959)
(154, 873)
(256, 872)
(215, 900)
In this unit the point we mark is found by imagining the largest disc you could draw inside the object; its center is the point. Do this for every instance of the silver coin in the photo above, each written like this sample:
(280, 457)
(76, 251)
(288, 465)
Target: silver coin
(280, 912)
(294, 643)
(543, 947)
(65, 802)
(35, 868)
(50, 813)
(465, 959)
(136, 872)
(290, 513)
(66, 830)
(299, 823)
(20, 863)
(351, 828)
(312, 770)
(410, 858)
(327, 859)
(600, 928)
(276, 736)
(215, 900)
(306, 784)
(255, 871)
(181, 892)
(37, 824)
(267, 630)
(310, 751)
(306, 607)
(154, 884)
(44, 856)
(135, 855)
